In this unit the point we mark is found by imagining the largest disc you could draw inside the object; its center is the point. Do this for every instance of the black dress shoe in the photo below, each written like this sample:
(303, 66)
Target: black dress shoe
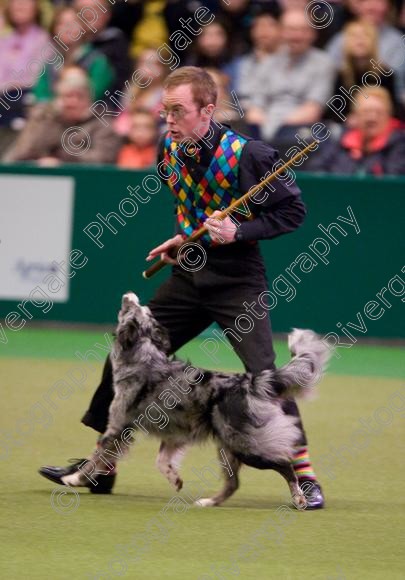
(313, 494)
(105, 483)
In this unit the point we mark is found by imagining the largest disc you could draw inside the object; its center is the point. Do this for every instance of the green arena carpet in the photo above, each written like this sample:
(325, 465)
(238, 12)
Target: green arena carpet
(356, 429)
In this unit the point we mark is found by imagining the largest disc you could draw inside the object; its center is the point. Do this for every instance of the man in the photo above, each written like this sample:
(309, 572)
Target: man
(265, 36)
(206, 166)
(293, 85)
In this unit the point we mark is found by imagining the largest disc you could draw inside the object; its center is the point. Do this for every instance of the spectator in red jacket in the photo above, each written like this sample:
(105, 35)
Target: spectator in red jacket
(376, 146)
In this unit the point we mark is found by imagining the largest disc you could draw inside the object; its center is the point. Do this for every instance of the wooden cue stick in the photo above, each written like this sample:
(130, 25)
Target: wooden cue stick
(252, 191)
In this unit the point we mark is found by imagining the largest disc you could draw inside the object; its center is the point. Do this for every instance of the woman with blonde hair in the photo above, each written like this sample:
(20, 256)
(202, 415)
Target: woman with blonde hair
(360, 51)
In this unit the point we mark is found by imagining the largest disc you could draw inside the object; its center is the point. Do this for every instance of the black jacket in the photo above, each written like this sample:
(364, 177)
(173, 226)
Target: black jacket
(343, 158)
(283, 210)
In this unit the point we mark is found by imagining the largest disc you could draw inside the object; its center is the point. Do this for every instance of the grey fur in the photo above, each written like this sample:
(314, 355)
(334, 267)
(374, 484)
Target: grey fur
(241, 412)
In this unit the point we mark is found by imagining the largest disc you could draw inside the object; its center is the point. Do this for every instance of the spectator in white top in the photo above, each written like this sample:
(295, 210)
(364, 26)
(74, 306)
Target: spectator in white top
(294, 84)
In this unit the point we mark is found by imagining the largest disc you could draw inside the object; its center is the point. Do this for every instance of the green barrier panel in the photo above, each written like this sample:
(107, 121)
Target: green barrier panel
(317, 279)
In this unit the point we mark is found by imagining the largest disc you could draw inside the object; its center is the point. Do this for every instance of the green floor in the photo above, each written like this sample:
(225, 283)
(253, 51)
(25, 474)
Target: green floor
(361, 534)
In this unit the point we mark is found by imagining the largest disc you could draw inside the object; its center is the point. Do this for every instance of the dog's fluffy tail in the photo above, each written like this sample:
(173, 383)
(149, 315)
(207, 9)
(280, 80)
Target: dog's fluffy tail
(309, 359)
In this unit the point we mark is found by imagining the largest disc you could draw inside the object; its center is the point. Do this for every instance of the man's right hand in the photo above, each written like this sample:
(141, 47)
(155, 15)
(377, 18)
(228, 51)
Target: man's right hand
(167, 250)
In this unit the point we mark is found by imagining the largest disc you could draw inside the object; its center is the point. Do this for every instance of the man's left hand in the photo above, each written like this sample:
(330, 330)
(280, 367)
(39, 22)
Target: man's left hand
(221, 230)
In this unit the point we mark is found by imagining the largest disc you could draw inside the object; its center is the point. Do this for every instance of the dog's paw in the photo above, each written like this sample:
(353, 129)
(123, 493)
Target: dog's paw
(205, 502)
(178, 484)
(299, 501)
(73, 480)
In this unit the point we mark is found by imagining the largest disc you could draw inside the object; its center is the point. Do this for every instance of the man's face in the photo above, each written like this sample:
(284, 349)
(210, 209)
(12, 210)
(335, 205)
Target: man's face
(74, 104)
(372, 116)
(374, 11)
(185, 118)
(265, 33)
(297, 33)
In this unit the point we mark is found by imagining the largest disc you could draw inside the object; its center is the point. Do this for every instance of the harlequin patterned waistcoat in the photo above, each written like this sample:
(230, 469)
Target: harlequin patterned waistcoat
(196, 201)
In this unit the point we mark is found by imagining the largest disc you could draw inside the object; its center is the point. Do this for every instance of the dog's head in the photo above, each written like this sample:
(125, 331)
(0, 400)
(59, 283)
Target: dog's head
(136, 322)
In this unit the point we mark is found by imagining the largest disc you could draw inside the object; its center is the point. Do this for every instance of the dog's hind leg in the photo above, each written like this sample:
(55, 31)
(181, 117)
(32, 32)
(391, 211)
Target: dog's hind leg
(297, 495)
(231, 469)
(168, 462)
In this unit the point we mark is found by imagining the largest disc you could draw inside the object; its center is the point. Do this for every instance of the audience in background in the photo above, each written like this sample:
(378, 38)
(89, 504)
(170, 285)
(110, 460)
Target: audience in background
(360, 46)
(266, 37)
(108, 40)
(225, 113)
(43, 139)
(390, 44)
(185, 9)
(275, 68)
(238, 15)
(151, 30)
(293, 85)
(22, 45)
(375, 147)
(140, 151)
(67, 27)
(212, 49)
(148, 98)
(126, 14)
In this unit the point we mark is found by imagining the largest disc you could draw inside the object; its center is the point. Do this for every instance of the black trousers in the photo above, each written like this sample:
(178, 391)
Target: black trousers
(231, 282)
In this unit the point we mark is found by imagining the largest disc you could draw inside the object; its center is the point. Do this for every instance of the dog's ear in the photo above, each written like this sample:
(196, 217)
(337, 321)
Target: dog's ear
(127, 335)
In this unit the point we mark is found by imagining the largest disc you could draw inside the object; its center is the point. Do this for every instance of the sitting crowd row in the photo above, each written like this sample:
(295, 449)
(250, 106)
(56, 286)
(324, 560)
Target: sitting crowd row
(277, 77)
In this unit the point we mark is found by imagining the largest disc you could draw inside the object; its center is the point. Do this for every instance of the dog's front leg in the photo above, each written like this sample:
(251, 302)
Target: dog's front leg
(231, 467)
(112, 448)
(168, 462)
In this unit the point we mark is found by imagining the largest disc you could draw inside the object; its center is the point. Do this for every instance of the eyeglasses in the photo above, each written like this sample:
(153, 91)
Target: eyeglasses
(176, 112)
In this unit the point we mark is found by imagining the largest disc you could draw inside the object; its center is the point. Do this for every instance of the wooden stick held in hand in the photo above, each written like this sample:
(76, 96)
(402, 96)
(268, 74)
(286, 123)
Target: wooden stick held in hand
(252, 191)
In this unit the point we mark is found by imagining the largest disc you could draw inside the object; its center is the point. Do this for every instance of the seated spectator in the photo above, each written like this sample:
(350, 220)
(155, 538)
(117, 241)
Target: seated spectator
(176, 9)
(225, 113)
(265, 37)
(360, 46)
(44, 140)
(66, 26)
(140, 152)
(108, 40)
(126, 14)
(238, 15)
(293, 85)
(375, 147)
(148, 98)
(151, 30)
(23, 43)
(212, 49)
(389, 38)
